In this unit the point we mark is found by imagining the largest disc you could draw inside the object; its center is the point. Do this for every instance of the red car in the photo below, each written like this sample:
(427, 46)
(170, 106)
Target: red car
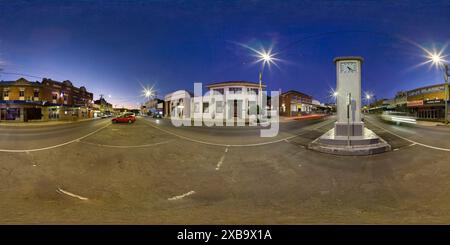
(126, 118)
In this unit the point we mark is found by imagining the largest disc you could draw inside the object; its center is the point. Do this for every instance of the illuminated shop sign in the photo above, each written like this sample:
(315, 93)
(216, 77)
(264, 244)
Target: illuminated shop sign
(426, 90)
(414, 103)
(431, 102)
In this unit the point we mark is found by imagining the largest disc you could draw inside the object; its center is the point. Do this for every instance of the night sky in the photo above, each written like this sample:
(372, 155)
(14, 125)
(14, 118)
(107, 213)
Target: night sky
(112, 46)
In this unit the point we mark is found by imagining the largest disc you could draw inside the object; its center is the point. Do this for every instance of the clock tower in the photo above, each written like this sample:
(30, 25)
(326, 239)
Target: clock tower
(348, 99)
(349, 136)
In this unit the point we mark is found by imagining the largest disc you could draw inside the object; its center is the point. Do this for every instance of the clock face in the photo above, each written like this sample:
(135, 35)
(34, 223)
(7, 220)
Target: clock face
(347, 67)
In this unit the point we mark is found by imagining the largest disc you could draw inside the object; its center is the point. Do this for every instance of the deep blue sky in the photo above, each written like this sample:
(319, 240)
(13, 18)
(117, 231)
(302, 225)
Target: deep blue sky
(111, 46)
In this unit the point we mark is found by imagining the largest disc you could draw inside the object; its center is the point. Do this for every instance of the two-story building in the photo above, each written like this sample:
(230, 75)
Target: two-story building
(294, 103)
(23, 100)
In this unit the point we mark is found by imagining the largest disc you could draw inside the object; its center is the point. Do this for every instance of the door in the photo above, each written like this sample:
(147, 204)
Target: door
(235, 106)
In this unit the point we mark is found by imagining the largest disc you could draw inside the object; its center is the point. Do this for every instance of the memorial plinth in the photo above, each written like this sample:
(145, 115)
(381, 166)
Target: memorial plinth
(349, 136)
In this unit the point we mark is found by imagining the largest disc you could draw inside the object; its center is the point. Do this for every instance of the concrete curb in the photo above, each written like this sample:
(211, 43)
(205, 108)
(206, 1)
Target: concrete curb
(355, 150)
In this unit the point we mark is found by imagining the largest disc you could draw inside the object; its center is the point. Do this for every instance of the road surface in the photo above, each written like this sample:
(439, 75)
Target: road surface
(150, 172)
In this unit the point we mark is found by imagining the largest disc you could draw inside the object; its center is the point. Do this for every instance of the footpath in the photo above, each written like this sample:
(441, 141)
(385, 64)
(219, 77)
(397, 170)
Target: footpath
(44, 123)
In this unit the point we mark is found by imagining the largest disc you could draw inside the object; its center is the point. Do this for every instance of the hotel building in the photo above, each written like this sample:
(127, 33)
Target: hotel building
(24, 101)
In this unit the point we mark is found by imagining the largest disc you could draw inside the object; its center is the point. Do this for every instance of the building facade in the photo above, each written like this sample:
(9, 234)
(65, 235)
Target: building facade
(229, 100)
(102, 107)
(153, 106)
(294, 103)
(427, 103)
(23, 101)
(222, 100)
(178, 104)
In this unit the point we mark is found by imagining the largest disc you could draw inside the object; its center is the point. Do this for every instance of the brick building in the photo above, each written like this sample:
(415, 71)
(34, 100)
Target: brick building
(294, 103)
(23, 100)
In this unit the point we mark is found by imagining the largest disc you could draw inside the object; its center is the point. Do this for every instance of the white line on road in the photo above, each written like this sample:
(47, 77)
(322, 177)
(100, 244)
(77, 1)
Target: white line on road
(181, 196)
(127, 146)
(235, 145)
(55, 146)
(221, 159)
(412, 141)
(59, 190)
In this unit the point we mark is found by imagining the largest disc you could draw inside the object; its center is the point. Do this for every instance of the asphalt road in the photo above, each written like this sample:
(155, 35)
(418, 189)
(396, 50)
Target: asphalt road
(150, 172)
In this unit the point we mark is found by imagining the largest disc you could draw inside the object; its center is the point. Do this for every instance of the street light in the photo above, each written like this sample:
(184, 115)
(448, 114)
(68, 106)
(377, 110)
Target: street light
(148, 92)
(368, 96)
(265, 57)
(439, 61)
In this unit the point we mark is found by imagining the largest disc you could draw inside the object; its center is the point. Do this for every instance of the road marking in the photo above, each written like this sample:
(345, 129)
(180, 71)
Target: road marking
(412, 141)
(181, 196)
(221, 160)
(127, 146)
(59, 190)
(55, 146)
(318, 125)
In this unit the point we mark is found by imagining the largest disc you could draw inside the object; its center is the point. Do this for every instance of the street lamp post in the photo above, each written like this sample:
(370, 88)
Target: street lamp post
(266, 58)
(437, 59)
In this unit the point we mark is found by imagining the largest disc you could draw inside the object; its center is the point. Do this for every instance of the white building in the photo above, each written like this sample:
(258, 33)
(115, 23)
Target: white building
(224, 100)
(229, 100)
(178, 104)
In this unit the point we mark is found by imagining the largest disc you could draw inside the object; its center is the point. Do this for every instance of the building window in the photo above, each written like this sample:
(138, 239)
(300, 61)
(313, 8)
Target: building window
(294, 108)
(253, 91)
(219, 106)
(218, 91)
(36, 93)
(205, 107)
(252, 108)
(234, 90)
(197, 107)
(6, 93)
(21, 92)
(54, 96)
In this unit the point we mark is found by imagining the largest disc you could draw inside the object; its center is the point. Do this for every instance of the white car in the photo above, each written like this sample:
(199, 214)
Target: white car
(398, 117)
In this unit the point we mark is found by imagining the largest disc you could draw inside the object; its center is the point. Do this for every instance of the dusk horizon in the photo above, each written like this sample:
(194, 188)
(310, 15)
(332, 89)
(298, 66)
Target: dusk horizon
(113, 48)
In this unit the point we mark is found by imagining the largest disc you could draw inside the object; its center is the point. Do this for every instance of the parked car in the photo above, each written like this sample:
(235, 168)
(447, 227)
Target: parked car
(125, 118)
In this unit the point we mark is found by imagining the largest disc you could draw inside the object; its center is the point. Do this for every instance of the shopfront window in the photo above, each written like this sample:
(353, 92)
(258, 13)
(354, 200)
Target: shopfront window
(10, 114)
(53, 113)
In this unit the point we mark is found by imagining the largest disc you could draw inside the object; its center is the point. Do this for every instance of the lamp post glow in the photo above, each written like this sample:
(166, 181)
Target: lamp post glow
(438, 60)
(148, 92)
(266, 57)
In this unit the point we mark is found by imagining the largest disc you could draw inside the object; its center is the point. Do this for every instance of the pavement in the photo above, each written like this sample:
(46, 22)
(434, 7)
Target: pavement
(430, 123)
(41, 123)
(151, 172)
